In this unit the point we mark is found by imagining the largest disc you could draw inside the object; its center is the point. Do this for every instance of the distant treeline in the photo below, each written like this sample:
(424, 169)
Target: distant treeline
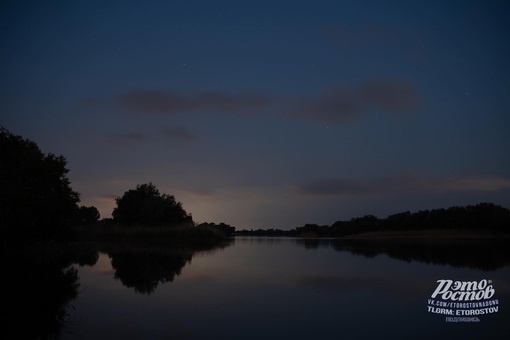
(484, 217)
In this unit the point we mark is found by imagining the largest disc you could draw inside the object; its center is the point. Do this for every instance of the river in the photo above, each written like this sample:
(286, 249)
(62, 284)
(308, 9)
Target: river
(286, 288)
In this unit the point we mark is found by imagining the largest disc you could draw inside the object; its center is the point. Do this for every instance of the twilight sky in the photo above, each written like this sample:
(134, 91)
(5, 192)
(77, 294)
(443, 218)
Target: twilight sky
(266, 114)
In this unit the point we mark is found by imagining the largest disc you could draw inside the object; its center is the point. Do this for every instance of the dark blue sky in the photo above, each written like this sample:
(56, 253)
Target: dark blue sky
(266, 114)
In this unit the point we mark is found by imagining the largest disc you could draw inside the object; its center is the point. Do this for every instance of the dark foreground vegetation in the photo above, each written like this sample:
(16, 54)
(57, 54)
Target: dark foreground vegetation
(37, 202)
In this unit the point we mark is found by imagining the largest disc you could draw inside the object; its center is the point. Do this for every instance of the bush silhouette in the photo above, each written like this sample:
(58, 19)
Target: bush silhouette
(147, 207)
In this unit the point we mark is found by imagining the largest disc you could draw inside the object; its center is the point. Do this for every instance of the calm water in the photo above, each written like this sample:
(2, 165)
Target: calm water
(277, 288)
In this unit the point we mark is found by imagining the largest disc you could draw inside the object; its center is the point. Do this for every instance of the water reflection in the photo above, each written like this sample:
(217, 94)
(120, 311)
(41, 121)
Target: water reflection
(38, 287)
(143, 266)
(484, 254)
(251, 279)
(40, 283)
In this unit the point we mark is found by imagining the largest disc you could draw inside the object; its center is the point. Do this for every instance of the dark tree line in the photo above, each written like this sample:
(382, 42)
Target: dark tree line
(222, 228)
(267, 232)
(486, 217)
(483, 217)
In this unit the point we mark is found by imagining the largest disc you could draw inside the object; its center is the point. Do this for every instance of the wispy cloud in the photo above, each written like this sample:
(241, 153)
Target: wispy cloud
(342, 186)
(341, 104)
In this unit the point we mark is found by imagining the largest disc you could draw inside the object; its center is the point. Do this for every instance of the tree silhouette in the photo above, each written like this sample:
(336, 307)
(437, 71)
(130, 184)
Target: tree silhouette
(146, 206)
(36, 200)
(87, 215)
(144, 267)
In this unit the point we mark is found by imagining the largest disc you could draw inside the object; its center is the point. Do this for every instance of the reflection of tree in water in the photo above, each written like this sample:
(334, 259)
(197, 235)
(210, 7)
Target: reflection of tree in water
(143, 266)
(37, 286)
(39, 283)
(484, 254)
